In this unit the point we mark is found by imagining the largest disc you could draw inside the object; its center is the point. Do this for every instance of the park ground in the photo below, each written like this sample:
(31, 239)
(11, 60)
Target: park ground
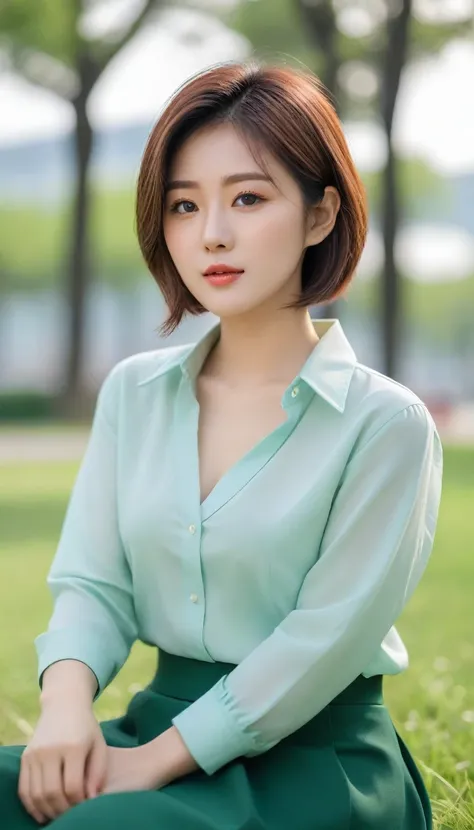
(432, 704)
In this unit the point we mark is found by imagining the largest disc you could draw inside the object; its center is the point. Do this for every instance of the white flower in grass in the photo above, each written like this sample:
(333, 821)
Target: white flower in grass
(437, 687)
(112, 691)
(442, 664)
(413, 722)
(411, 726)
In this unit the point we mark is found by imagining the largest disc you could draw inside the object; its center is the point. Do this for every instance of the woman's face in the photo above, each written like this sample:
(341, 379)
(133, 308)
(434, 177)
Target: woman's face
(221, 209)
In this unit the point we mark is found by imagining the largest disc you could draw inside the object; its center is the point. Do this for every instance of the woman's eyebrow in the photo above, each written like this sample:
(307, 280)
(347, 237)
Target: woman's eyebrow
(232, 179)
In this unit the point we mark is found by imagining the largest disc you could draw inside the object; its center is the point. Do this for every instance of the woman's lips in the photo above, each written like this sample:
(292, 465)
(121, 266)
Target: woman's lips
(224, 278)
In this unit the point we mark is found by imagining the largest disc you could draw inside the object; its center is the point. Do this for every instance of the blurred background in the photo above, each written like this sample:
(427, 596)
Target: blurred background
(81, 84)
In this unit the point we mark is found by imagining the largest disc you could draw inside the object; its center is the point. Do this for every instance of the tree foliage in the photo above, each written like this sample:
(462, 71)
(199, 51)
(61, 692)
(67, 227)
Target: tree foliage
(49, 44)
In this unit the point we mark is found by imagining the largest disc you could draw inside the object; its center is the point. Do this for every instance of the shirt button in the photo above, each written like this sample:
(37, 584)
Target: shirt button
(295, 391)
(192, 528)
(194, 597)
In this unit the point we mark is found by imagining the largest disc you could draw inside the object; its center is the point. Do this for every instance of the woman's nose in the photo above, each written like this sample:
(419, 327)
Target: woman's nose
(217, 232)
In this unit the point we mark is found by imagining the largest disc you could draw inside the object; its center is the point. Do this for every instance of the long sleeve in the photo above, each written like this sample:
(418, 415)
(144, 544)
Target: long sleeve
(93, 618)
(375, 547)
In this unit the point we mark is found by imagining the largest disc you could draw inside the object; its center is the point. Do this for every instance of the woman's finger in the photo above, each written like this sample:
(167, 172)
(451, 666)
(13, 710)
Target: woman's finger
(24, 793)
(74, 777)
(53, 796)
(96, 769)
(36, 790)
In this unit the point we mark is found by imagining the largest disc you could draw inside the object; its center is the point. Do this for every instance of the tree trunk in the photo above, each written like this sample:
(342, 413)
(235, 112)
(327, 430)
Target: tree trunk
(391, 316)
(330, 80)
(89, 66)
(395, 57)
(77, 278)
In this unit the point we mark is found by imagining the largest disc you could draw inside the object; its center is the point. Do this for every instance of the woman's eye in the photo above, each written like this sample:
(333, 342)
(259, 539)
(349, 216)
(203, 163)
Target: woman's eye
(251, 199)
(186, 206)
(183, 204)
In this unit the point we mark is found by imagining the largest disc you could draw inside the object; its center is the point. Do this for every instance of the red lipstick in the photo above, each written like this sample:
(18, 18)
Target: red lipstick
(222, 274)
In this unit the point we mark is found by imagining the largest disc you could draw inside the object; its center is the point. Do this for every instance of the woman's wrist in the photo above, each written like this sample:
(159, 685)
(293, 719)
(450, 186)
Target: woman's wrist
(68, 682)
(172, 756)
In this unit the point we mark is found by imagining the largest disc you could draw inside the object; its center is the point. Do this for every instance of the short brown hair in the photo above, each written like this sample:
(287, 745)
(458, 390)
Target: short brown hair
(287, 112)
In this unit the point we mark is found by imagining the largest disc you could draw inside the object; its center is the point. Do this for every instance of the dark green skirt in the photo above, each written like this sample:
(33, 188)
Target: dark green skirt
(347, 769)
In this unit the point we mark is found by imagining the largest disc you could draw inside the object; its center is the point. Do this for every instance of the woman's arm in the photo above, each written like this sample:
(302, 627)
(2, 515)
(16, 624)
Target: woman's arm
(93, 620)
(375, 548)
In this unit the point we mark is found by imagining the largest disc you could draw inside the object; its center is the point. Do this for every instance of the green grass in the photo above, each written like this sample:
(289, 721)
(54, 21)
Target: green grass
(432, 704)
(48, 427)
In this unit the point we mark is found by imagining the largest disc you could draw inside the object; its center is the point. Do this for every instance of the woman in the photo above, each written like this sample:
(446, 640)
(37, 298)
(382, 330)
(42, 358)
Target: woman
(259, 506)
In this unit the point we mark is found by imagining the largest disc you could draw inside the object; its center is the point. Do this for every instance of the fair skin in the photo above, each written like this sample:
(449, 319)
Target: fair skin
(261, 349)
(262, 346)
(67, 760)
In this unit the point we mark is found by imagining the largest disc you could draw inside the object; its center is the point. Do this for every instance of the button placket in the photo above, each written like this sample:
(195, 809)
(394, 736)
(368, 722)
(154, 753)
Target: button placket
(192, 593)
(194, 596)
(192, 530)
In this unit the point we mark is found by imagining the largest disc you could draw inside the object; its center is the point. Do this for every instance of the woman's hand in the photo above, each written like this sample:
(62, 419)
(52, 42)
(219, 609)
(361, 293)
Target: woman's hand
(65, 761)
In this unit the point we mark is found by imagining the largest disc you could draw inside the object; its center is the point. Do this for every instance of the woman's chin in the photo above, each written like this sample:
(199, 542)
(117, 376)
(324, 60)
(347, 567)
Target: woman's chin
(229, 306)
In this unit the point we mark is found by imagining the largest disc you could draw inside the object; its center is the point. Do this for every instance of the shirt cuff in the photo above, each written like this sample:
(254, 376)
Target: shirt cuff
(210, 730)
(82, 644)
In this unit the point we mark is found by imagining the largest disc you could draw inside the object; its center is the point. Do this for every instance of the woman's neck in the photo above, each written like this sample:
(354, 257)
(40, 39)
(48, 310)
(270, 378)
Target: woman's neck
(253, 352)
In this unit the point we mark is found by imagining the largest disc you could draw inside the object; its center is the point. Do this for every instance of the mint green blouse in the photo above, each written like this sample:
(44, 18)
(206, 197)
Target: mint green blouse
(295, 567)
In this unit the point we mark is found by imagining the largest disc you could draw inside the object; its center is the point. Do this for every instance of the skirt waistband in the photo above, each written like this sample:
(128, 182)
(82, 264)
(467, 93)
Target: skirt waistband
(188, 679)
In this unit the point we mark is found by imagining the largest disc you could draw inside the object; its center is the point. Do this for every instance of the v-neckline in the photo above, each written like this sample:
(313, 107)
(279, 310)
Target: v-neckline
(242, 471)
(239, 474)
(242, 466)
(234, 472)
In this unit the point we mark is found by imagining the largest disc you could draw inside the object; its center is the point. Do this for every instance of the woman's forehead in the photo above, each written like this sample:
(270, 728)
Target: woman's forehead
(221, 152)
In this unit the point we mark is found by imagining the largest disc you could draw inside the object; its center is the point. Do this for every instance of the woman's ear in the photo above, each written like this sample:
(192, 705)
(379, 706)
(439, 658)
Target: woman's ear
(322, 217)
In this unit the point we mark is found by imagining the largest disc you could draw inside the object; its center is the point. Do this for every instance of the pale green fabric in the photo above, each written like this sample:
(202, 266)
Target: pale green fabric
(296, 565)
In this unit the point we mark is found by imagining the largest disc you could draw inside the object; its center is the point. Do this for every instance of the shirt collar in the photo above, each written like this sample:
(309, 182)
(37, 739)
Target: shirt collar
(328, 370)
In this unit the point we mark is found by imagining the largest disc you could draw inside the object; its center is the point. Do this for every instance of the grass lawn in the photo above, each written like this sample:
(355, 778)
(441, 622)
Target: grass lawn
(432, 704)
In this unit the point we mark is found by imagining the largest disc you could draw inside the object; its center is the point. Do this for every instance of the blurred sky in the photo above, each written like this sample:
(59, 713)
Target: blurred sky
(434, 117)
